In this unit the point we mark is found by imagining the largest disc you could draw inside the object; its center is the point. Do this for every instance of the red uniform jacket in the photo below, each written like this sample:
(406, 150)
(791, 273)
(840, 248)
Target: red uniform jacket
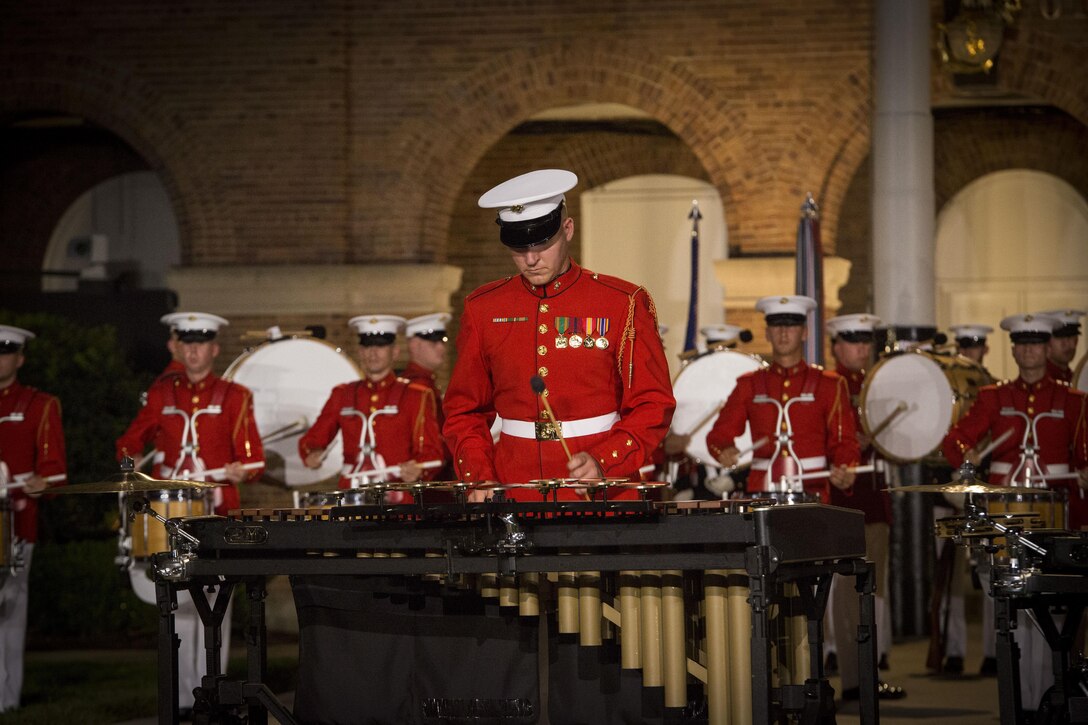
(222, 437)
(512, 330)
(823, 428)
(416, 373)
(1060, 374)
(34, 444)
(1062, 443)
(867, 493)
(411, 434)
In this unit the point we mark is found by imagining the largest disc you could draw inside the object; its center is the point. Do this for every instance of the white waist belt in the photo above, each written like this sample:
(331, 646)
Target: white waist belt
(1051, 469)
(807, 464)
(569, 428)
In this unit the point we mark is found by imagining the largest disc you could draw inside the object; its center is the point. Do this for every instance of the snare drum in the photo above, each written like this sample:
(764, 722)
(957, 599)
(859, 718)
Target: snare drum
(962, 527)
(935, 390)
(701, 389)
(291, 379)
(1048, 504)
(149, 535)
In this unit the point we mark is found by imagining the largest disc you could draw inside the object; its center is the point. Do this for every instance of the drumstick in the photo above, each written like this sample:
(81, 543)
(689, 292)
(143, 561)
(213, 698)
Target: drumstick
(285, 431)
(395, 470)
(706, 419)
(748, 450)
(222, 471)
(21, 479)
(825, 474)
(994, 444)
(538, 387)
(888, 421)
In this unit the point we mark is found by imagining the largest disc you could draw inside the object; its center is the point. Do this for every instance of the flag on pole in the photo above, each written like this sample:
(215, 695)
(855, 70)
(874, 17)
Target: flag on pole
(810, 276)
(693, 293)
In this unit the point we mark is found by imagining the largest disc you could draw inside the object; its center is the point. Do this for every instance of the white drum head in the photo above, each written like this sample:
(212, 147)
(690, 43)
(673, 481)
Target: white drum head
(916, 381)
(290, 380)
(701, 389)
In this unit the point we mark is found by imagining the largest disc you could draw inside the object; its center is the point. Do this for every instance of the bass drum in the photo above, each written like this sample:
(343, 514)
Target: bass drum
(1080, 375)
(933, 391)
(291, 378)
(701, 389)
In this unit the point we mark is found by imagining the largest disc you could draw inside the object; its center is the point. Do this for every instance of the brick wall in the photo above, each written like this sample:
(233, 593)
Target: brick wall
(296, 133)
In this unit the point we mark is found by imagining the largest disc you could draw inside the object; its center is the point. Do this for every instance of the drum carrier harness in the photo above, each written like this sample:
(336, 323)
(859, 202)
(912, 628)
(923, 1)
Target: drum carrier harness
(783, 441)
(1033, 470)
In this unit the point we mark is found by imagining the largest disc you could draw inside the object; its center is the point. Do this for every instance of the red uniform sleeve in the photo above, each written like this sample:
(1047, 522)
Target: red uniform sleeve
(842, 439)
(245, 438)
(324, 428)
(732, 418)
(426, 437)
(50, 459)
(971, 428)
(469, 406)
(141, 431)
(646, 401)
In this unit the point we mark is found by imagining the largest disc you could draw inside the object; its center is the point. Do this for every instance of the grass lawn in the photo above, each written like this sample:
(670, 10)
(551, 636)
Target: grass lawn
(106, 686)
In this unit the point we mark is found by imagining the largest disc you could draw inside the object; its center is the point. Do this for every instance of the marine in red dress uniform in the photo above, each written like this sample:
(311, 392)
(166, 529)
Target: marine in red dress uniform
(32, 453)
(1062, 346)
(1043, 414)
(213, 426)
(590, 337)
(405, 438)
(794, 406)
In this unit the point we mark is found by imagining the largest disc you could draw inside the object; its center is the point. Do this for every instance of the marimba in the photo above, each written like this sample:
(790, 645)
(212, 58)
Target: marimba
(783, 555)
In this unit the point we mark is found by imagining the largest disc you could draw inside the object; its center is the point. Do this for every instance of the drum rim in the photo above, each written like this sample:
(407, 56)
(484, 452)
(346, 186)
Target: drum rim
(866, 386)
(760, 364)
(232, 369)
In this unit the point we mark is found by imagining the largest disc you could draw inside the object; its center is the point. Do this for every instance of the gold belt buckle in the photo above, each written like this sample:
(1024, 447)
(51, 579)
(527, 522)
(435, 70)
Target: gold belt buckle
(548, 431)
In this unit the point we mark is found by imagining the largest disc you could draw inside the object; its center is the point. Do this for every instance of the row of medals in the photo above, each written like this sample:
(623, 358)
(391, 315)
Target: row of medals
(562, 342)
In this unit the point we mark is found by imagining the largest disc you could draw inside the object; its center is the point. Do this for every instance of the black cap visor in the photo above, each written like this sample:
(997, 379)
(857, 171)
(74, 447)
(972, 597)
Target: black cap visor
(785, 319)
(376, 339)
(855, 336)
(9, 347)
(195, 335)
(1071, 330)
(532, 232)
(967, 342)
(432, 336)
(1029, 337)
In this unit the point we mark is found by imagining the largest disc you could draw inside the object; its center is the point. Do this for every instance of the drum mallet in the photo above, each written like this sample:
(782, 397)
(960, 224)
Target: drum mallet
(540, 389)
(705, 419)
(888, 421)
(994, 444)
(746, 451)
(286, 431)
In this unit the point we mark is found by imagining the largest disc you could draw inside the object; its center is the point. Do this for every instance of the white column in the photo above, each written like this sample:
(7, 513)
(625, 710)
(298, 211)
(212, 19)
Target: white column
(903, 196)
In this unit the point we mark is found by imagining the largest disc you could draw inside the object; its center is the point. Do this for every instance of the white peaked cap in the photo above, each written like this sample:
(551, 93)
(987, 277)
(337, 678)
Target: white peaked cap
(859, 322)
(721, 332)
(424, 324)
(971, 332)
(786, 305)
(530, 195)
(15, 335)
(377, 324)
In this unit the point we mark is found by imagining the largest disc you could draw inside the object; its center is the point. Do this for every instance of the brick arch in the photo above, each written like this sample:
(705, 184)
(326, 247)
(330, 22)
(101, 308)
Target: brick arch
(1044, 59)
(510, 88)
(969, 145)
(110, 99)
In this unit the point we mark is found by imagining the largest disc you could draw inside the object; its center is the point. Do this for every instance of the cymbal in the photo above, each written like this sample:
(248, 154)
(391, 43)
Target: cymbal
(131, 482)
(976, 488)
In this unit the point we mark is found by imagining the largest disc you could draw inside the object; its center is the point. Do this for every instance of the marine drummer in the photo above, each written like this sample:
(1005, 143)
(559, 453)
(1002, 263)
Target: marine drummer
(203, 428)
(386, 421)
(1048, 438)
(1062, 346)
(800, 411)
(32, 460)
(691, 479)
(971, 340)
(852, 348)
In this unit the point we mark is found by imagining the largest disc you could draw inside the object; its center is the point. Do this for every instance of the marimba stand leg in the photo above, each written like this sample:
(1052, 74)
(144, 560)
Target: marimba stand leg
(211, 616)
(167, 601)
(1008, 661)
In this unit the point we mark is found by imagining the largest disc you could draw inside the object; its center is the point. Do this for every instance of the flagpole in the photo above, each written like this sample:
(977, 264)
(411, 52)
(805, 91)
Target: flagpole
(810, 276)
(693, 293)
